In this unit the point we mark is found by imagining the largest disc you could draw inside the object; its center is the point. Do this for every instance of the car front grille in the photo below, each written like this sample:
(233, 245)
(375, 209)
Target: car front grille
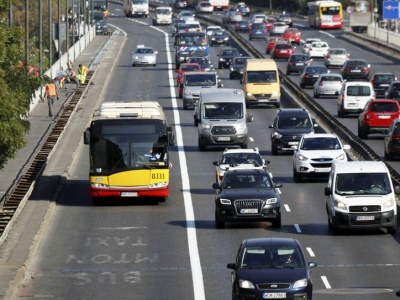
(365, 208)
(273, 286)
(248, 204)
(291, 138)
(318, 165)
(223, 130)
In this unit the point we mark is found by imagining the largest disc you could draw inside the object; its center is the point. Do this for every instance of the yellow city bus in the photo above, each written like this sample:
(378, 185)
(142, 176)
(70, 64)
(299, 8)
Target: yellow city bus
(325, 14)
(128, 149)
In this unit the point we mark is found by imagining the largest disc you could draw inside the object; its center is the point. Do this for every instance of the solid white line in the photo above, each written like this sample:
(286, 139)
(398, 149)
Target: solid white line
(287, 207)
(124, 32)
(325, 281)
(297, 228)
(197, 275)
(328, 34)
(310, 251)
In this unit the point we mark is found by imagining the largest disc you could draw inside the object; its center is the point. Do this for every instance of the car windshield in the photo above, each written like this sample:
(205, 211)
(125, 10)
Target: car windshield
(358, 91)
(383, 107)
(355, 63)
(223, 111)
(239, 61)
(283, 46)
(163, 11)
(219, 33)
(200, 80)
(229, 53)
(337, 52)
(331, 78)
(383, 78)
(321, 143)
(362, 184)
(271, 257)
(319, 45)
(144, 51)
(190, 68)
(241, 158)
(286, 122)
(199, 60)
(261, 76)
(299, 58)
(246, 181)
(315, 70)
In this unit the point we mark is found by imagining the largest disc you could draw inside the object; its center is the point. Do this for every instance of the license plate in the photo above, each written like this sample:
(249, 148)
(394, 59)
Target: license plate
(129, 194)
(283, 51)
(258, 31)
(293, 143)
(322, 170)
(317, 75)
(352, 104)
(274, 295)
(384, 85)
(383, 117)
(365, 218)
(223, 138)
(299, 64)
(356, 71)
(249, 211)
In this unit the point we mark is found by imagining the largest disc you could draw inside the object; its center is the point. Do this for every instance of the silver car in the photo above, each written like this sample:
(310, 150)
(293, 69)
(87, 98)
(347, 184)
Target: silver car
(336, 57)
(186, 15)
(232, 17)
(278, 28)
(144, 56)
(328, 84)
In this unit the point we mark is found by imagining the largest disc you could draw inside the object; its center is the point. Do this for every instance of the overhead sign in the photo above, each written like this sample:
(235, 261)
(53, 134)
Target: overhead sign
(391, 10)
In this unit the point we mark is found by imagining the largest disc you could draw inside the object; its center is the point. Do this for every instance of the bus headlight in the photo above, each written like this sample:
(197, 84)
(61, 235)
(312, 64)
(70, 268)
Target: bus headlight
(158, 185)
(99, 185)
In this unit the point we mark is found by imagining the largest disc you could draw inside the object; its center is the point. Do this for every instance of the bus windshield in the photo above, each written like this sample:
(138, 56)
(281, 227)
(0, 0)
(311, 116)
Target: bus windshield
(330, 10)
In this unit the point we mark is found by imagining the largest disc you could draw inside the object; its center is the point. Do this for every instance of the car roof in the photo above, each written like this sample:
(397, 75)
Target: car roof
(360, 83)
(360, 167)
(319, 135)
(271, 241)
(254, 150)
(292, 111)
(247, 171)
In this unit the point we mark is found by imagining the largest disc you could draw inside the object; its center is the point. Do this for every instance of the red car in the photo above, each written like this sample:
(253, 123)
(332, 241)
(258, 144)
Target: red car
(186, 67)
(271, 43)
(292, 35)
(377, 116)
(282, 51)
(269, 21)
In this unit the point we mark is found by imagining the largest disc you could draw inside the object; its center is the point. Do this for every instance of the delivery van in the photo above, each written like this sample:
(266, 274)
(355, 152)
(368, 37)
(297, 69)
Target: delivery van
(261, 83)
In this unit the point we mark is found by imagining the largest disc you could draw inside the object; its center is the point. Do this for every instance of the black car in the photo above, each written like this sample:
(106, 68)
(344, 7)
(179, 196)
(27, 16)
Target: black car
(219, 37)
(258, 31)
(242, 26)
(226, 56)
(311, 74)
(297, 63)
(237, 65)
(271, 268)
(381, 82)
(286, 18)
(393, 91)
(289, 126)
(392, 141)
(356, 69)
(247, 195)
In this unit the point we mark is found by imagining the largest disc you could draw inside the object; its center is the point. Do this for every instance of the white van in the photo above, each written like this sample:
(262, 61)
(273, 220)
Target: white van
(222, 118)
(136, 8)
(361, 195)
(162, 15)
(353, 97)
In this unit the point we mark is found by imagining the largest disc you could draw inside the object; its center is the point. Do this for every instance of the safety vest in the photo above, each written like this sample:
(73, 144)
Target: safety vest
(83, 70)
(51, 90)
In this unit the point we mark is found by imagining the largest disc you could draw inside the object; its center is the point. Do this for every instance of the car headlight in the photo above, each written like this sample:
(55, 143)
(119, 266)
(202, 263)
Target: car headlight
(188, 92)
(302, 157)
(277, 135)
(213, 39)
(227, 38)
(225, 201)
(274, 94)
(181, 58)
(205, 127)
(136, 57)
(271, 201)
(245, 284)
(341, 156)
(300, 283)
(221, 59)
(340, 205)
(249, 94)
(389, 203)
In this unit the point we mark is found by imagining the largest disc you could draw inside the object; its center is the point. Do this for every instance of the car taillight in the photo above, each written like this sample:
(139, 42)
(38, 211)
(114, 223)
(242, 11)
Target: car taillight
(347, 69)
(395, 137)
(291, 63)
(306, 75)
(328, 57)
(365, 69)
(372, 82)
(321, 83)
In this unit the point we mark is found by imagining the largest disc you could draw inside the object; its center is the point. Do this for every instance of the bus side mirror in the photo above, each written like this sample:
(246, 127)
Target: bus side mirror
(86, 136)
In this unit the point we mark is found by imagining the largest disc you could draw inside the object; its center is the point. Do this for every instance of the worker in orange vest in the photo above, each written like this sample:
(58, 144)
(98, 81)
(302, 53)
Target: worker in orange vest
(82, 72)
(50, 93)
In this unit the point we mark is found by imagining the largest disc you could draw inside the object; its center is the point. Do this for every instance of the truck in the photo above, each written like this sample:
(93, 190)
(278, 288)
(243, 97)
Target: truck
(191, 44)
(217, 4)
(136, 8)
(360, 15)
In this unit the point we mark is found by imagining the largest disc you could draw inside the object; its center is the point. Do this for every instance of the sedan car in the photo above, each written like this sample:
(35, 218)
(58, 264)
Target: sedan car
(211, 29)
(247, 195)
(219, 38)
(278, 28)
(318, 49)
(286, 18)
(377, 117)
(203, 61)
(328, 85)
(243, 26)
(282, 51)
(392, 141)
(381, 82)
(271, 268)
(308, 42)
(271, 42)
(237, 65)
(315, 154)
(184, 68)
(186, 15)
(297, 63)
(356, 69)
(393, 91)
(144, 56)
(257, 31)
(292, 35)
(311, 74)
(336, 57)
(204, 7)
(226, 56)
(232, 17)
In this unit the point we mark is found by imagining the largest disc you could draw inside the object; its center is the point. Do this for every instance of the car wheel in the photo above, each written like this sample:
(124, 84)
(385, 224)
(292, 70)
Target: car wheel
(219, 66)
(196, 122)
(302, 85)
(341, 112)
(202, 146)
(296, 176)
(277, 223)
(274, 150)
(218, 223)
(362, 132)
(249, 38)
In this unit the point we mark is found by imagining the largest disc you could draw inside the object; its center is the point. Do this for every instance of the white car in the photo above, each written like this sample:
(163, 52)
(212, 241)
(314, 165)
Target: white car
(211, 29)
(318, 49)
(278, 28)
(144, 56)
(204, 7)
(239, 159)
(328, 84)
(258, 18)
(315, 154)
(308, 42)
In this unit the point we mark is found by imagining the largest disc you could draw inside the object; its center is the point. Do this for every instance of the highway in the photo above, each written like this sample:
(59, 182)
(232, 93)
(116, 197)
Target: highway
(171, 250)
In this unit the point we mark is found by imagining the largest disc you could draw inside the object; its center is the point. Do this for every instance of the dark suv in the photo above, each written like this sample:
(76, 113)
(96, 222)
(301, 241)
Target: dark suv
(246, 195)
(393, 91)
(226, 56)
(392, 141)
(381, 82)
(356, 69)
(289, 126)
(297, 63)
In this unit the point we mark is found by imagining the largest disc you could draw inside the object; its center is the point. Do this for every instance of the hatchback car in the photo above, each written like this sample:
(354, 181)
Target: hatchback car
(286, 18)
(257, 31)
(336, 57)
(238, 159)
(144, 56)
(204, 7)
(292, 35)
(237, 65)
(282, 51)
(328, 85)
(243, 9)
(311, 74)
(393, 91)
(377, 117)
(392, 141)
(271, 268)
(315, 153)
(356, 69)
(247, 195)
(186, 15)
(381, 82)
(288, 127)
(219, 38)
(203, 61)
(278, 28)
(353, 97)
(271, 42)
(243, 26)
(308, 42)
(297, 63)
(318, 49)
(226, 56)
(185, 68)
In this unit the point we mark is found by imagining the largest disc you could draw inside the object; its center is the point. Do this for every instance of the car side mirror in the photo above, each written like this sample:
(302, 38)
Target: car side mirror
(294, 147)
(215, 163)
(232, 266)
(216, 186)
(346, 147)
(312, 264)
(86, 136)
(250, 118)
(328, 191)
